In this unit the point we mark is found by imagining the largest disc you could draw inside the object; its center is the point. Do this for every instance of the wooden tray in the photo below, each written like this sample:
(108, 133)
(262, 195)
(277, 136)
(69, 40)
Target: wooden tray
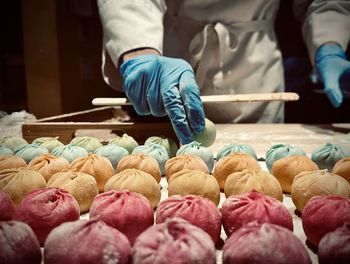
(101, 122)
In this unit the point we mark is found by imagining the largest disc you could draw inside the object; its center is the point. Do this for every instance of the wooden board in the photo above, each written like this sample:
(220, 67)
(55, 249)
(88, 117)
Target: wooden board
(111, 120)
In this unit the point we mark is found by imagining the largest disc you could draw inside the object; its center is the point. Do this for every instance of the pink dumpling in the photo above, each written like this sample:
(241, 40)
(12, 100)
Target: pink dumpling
(86, 241)
(264, 243)
(174, 241)
(129, 212)
(323, 214)
(334, 247)
(44, 209)
(238, 210)
(18, 243)
(197, 210)
(7, 210)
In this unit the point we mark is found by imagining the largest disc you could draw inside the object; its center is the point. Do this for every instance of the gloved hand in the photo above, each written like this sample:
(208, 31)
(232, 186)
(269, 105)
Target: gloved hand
(331, 64)
(162, 86)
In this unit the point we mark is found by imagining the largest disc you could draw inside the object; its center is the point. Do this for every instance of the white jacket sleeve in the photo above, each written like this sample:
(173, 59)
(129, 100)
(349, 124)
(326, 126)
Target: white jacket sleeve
(324, 21)
(131, 24)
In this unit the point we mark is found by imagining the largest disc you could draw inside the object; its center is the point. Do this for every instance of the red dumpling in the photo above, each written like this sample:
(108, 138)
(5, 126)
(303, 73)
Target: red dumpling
(264, 243)
(44, 209)
(323, 214)
(18, 243)
(174, 241)
(86, 241)
(197, 210)
(129, 212)
(7, 210)
(334, 247)
(238, 210)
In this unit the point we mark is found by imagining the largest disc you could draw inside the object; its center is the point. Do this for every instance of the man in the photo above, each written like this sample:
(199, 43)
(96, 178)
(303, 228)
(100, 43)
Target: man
(231, 45)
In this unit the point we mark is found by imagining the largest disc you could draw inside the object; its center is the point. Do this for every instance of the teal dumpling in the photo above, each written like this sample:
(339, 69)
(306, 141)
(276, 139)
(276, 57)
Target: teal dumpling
(86, 142)
(112, 152)
(156, 151)
(48, 142)
(279, 151)
(195, 148)
(125, 141)
(12, 142)
(241, 148)
(168, 143)
(5, 151)
(69, 152)
(327, 155)
(29, 151)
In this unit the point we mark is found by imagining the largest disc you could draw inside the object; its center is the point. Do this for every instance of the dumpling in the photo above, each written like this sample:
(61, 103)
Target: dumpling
(279, 151)
(156, 151)
(70, 152)
(48, 142)
(168, 143)
(327, 155)
(241, 148)
(29, 151)
(142, 162)
(86, 142)
(112, 152)
(195, 148)
(125, 141)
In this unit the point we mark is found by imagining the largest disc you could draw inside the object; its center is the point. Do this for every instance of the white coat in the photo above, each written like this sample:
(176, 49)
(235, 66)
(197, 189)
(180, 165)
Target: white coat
(231, 44)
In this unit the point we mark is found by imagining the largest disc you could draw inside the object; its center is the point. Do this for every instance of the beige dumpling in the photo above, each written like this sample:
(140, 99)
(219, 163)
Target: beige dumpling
(19, 182)
(99, 167)
(136, 181)
(342, 168)
(81, 185)
(11, 162)
(312, 183)
(248, 180)
(287, 168)
(195, 182)
(48, 165)
(233, 162)
(184, 162)
(142, 162)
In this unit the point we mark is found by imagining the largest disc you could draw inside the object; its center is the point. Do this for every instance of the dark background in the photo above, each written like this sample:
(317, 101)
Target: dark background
(68, 51)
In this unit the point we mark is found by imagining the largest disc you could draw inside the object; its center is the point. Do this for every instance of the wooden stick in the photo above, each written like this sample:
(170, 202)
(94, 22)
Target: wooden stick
(212, 99)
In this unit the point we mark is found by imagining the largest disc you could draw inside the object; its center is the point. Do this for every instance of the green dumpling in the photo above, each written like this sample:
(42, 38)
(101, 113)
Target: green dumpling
(195, 148)
(168, 143)
(279, 151)
(156, 151)
(69, 152)
(5, 151)
(29, 151)
(86, 142)
(125, 141)
(112, 152)
(207, 137)
(12, 142)
(326, 156)
(241, 148)
(48, 142)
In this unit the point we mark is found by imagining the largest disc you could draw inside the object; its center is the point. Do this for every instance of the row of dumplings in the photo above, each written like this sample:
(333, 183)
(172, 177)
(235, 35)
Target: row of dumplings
(325, 156)
(257, 226)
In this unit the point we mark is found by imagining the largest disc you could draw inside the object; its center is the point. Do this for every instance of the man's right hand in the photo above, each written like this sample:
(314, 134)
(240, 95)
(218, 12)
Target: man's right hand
(163, 86)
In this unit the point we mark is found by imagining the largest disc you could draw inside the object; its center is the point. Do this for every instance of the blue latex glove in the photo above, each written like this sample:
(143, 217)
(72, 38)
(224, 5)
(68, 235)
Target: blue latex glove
(163, 86)
(331, 64)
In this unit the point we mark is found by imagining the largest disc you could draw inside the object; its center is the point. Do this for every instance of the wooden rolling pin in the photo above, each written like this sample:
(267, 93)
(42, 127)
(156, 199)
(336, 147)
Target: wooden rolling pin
(212, 99)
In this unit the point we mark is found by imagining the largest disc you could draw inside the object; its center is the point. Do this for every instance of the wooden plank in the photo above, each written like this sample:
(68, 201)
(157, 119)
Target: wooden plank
(66, 131)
